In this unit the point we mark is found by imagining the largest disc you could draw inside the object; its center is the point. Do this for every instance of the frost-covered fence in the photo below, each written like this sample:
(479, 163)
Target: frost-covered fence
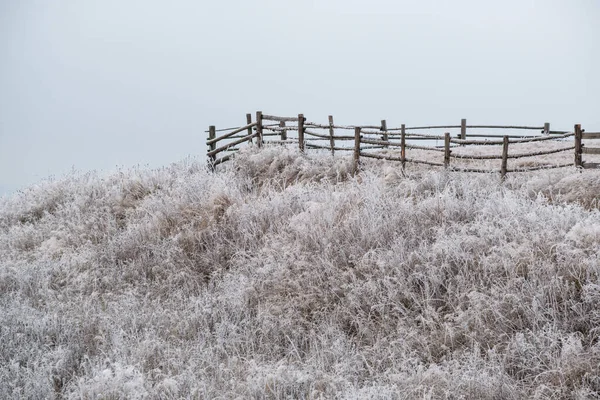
(392, 144)
(446, 152)
(580, 148)
(271, 129)
(230, 146)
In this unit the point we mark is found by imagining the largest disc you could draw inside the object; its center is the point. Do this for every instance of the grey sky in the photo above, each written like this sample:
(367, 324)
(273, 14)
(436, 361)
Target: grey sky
(99, 84)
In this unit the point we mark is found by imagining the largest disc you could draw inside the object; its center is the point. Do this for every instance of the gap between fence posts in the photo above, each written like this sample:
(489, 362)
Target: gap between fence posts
(259, 129)
(249, 121)
(403, 145)
(578, 147)
(504, 165)
(301, 132)
(446, 150)
(356, 150)
(331, 138)
(212, 133)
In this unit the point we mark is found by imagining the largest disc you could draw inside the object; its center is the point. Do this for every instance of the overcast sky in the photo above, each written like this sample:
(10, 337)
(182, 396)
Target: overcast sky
(96, 84)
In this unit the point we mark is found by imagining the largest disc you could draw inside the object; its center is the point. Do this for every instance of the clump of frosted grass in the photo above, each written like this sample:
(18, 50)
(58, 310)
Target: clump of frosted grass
(281, 276)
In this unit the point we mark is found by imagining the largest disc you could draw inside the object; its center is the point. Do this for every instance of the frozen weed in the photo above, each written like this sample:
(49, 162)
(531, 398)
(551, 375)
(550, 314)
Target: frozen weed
(281, 276)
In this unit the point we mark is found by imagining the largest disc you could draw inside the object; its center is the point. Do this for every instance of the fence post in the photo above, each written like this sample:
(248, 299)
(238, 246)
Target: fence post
(384, 130)
(446, 149)
(356, 150)
(578, 147)
(463, 128)
(212, 133)
(331, 139)
(284, 131)
(249, 121)
(504, 157)
(403, 145)
(259, 129)
(546, 130)
(301, 132)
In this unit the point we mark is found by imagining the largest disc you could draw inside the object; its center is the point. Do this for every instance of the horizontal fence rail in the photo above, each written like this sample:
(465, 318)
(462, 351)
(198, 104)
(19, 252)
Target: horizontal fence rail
(391, 144)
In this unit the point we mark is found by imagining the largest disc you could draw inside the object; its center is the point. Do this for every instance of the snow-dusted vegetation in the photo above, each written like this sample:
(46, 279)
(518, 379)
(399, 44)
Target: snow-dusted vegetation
(280, 276)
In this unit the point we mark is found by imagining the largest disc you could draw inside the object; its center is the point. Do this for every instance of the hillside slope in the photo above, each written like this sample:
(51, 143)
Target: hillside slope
(280, 276)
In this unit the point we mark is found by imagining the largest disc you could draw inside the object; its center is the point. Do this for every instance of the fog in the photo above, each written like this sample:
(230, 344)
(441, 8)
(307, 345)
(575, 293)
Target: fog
(90, 85)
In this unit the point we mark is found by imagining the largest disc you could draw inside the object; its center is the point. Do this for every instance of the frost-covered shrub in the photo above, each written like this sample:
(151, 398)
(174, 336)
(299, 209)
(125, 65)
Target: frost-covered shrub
(282, 276)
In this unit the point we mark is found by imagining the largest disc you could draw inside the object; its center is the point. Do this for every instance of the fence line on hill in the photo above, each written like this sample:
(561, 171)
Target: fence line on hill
(379, 137)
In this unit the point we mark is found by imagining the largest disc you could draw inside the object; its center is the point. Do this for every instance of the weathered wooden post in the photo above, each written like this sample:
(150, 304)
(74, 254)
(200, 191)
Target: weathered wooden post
(546, 130)
(384, 130)
(403, 145)
(212, 134)
(463, 128)
(446, 150)
(331, 138)
(248, 122)
(259, 129)
(301, 132)
(283, 131)
(578, 146)
(356, 150)
(504, 157)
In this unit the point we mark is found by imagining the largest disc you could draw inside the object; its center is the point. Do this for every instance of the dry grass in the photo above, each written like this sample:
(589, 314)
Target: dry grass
(281, 276)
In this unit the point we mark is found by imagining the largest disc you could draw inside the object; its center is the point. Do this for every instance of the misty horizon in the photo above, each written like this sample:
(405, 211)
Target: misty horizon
(96, 86)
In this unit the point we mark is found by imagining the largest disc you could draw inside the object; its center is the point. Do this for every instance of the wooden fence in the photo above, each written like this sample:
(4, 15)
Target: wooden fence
(393, 143)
